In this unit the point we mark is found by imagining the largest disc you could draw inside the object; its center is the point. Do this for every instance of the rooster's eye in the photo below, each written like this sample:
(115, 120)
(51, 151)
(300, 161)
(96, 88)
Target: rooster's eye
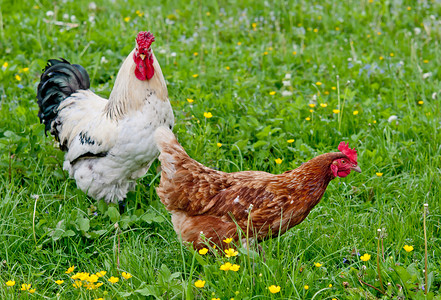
(342, 161)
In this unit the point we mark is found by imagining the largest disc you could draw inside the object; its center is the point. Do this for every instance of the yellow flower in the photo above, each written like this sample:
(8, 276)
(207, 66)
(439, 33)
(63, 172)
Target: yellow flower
(217, 298)
(70, 270)
(208, 14)
(274, 289)
(392, 55)
(425, 61)
(126, 275)
(32, 291)
(228, 240)
(113, 279)
(17, 77)
(308, 119)
(409, 8)
(199, 283)
(239, 43)
(99, 299)
(10, 283)
(5, 65)
(318, 83)
(312, 105)
(337, 28)
(219, 145)
(25, 287)
(379, 174)
(379, 32)
(195, 54)
(24, 70)
(208, 115)
(77, 284)
(294, 53)
(59, 282)
(92, 278)
(335, 111)
(421, 102)
(315, 30)
(265, 53)
(318, 265)
(306, 287)
(190, 100)
(323, 104)
(231, 252)
(254, 25)
(381, 57)
(272, 93)
(203, 251)
(227, 67)
(126, 19)
(365, 257)
(235, 268)
(225, 267)
(375, 122)
(311, 110)
(98, 284)
(101, 274)
(195, 75)
(139, 13)
(408, 248)
(290, 141)
(278, 161)
(330, 285)
(355, 112)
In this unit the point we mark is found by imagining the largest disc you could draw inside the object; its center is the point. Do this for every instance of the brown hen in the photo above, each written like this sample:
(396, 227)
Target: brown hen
(209, 204)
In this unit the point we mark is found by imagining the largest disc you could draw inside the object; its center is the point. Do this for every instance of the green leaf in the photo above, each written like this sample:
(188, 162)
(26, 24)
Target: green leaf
(113, 214)
(83, 224)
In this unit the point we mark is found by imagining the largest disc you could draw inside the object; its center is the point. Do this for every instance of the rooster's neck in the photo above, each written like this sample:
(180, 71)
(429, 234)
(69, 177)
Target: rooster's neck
(131, 94)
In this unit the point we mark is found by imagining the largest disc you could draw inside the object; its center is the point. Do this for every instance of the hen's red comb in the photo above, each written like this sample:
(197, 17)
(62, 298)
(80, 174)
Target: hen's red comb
(350, 153)
(145, 39)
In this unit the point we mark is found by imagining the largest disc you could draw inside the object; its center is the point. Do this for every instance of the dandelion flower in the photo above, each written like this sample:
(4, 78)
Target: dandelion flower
(113, 279)
(330, 285)
(379, 32)
(391, 54)
(323, 104)
(408, 248)
(265, 53)
(421, 102)
(99, 299)
(355, 112)
(230, 252)
(318, 83)
(272, 93)
(24, 70)
(235, 268)
(318, 265)
(425, 61)
(10, 283)
(126, 275)
(59, 282)
(208, 115)
(195, 54)
(226, 266)
(228, 240)
(294, 53)
(227, 67)
(365, 257)
(278, 161)
(17, 77)
(312, 105)
(217, 298)
(308, 119)
(254, 25)
(195, 75)
(203, 251)
(335, 111)
(274, 289)
(306, 287)
(379, 174)
(126, 19)
(70, 270)
(409, 8)
(219, 145)
(381, 57)
(190, 100)
(32, 291)
(199, 283)
(239, 43)
(5, 65)
(290, 141)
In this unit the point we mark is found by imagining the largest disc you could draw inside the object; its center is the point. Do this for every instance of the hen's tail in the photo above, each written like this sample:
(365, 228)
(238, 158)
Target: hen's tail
(59, 80)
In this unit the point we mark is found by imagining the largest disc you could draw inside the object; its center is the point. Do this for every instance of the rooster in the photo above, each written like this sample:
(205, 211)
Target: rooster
(108, 143)
(209, 204)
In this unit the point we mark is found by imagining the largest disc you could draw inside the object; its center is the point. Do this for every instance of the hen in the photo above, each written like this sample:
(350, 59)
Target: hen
(209, 203)
(108, 143)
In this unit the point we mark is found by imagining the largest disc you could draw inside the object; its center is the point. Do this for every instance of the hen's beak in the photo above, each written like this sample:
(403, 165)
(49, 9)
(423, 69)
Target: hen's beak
(356, 169)
(142, 56)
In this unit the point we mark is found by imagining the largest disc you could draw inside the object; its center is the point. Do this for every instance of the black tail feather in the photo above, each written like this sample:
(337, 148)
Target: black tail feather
(59, 80)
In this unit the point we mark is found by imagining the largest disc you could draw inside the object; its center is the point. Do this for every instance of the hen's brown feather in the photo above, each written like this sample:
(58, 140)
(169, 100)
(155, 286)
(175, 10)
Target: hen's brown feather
(211, 202)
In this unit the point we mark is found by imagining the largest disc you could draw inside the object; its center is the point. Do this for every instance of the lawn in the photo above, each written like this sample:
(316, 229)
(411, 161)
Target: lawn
(255, 85)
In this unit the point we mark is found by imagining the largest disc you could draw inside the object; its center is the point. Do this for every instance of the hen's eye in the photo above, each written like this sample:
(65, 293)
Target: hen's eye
(342, 161)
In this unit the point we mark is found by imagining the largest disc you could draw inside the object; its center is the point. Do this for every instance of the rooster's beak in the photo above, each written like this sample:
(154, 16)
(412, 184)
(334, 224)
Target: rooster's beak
(142, 56)
(356, 169)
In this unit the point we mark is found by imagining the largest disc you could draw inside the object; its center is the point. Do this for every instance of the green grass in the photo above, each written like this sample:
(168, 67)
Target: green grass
(335, 43)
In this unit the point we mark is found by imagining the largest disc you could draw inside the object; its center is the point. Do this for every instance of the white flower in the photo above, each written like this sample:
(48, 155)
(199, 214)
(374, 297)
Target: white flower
(104, 60)
(173, 54)
(92, 5)
(417, 30)
(73, 18)
(286, 83)
(427, 75)
(49, 13)
(65, 16)
(392, 118)
(288, 76)
(434, 96)
(286, 93)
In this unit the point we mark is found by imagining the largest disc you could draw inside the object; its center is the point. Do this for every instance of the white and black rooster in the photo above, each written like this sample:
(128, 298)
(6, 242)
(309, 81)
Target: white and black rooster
(109, 143)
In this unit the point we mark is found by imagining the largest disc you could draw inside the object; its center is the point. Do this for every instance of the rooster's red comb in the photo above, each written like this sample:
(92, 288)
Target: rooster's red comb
(145, 39)
(350, 153)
